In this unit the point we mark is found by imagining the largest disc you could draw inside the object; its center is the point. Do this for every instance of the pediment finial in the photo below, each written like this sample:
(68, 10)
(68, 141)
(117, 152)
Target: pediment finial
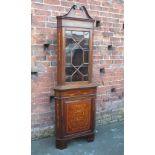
(77, 11)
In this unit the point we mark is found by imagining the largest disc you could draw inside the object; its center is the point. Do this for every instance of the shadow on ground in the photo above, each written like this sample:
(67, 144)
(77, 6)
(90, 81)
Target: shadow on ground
(109, 140)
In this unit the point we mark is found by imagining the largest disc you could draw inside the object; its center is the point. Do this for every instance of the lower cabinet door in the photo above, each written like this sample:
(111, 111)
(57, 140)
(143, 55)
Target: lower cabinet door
(78, 115)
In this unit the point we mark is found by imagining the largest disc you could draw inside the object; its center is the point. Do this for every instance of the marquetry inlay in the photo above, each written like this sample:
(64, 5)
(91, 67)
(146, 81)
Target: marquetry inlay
(78, 115)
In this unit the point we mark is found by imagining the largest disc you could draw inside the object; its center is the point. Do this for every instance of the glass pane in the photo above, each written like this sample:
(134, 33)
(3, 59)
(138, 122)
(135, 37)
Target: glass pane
(77, 77)
(68, 34)
(77, 35)
(86, 35)
(77, 56)
(70, 43)
(85, 44)
(69, 70)
(68, 78)
(84, 69)
(68, 56)
(86, 78)
(86, 56)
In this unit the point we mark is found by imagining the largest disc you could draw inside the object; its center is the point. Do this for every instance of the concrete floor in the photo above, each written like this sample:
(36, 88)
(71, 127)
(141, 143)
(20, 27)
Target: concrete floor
(109, 140)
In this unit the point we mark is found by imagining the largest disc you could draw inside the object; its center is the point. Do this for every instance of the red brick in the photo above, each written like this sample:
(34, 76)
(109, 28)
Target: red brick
(43, 30)
(40, 95)
(41, 100)
(94, 14)
(96, 2)
(38, 38)
(36, 19)
(42, 12)
(53, 2)
(45, 79)
(38, 24)
(63, 3)
(82, 1)
(40, 108)
(37, 89)
(45, 84)
(95, 7)
(42, 6)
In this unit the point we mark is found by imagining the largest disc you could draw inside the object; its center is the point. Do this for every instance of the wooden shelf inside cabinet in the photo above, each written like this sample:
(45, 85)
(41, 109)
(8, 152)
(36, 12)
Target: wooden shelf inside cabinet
(75, 93)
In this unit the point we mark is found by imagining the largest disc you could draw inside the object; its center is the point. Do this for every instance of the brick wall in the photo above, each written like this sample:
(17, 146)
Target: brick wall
(107, 60)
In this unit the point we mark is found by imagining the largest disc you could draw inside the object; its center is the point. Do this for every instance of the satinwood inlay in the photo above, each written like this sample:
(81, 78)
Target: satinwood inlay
(78, 115)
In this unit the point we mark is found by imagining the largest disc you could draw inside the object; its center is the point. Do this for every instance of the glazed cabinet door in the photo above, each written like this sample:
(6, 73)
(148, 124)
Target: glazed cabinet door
(77, 49)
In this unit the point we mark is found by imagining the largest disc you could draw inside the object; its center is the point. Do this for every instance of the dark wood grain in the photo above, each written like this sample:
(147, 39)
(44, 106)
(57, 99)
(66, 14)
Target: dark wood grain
(74, 101)
(76, 105)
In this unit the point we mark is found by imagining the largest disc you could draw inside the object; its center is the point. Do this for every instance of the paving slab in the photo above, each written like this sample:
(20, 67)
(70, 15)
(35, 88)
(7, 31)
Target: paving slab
(109, 140)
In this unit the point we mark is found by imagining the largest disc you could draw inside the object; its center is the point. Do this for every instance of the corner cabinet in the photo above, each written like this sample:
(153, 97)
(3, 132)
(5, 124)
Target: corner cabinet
(75, 93)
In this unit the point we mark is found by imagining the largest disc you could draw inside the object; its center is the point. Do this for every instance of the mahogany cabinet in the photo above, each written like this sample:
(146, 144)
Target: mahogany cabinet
(75, 93)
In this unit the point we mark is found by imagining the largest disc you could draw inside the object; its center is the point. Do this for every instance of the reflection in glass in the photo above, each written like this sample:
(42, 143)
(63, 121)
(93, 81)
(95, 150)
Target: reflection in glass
(77, 35)
(77, 76)
(86, 78)
(86, 58)
(68, 78)
(84, 69)
(68, 34)
(68, 56)
(70, 43)
(77, 57)
(85, 44)
(69, 70)
(86, 35)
